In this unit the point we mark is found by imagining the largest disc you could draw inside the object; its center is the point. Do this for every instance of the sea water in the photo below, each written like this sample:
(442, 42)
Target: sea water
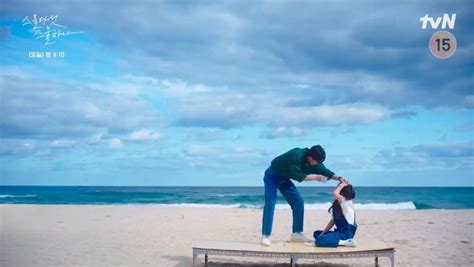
(319, 198)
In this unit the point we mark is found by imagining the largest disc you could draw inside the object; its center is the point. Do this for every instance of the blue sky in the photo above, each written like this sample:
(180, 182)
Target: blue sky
(209, 92)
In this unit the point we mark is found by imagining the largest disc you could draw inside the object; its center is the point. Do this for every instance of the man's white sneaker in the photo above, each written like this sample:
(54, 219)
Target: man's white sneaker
(299, 237)
(265, 241)
(351, 243)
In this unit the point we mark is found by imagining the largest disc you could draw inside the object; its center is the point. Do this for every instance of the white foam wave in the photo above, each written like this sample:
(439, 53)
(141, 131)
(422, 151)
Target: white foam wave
(358, 206)
(386, 206)
(194, 205)
(312, 206)
(7, 196)
(236, 195)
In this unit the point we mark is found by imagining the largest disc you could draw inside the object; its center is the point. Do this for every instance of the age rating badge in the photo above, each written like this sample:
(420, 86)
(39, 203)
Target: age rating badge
(442, 44)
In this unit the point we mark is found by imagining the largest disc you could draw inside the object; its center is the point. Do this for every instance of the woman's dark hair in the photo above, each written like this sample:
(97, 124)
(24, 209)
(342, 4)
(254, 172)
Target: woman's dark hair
(348, 193)
(318, 153)
(336, 210)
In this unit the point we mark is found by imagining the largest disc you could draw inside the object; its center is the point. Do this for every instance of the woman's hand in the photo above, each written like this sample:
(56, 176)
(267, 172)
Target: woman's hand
(337, 191)
(343, 181)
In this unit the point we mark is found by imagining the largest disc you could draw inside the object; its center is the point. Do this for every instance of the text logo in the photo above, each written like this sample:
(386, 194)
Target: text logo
(47, 28)
(445, 20)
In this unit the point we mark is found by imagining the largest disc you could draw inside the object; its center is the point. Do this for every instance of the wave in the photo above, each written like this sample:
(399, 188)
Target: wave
(314, 206)
(195, 205)
(9, 196)
(386, 206)
(234, 195)
(422, 206)
(359, 206)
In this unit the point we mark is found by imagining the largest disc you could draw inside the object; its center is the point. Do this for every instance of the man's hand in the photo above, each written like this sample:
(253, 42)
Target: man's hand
(342, 180)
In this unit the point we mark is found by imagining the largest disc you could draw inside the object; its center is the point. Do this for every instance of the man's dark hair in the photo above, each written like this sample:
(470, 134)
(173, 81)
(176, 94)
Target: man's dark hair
(318, 153)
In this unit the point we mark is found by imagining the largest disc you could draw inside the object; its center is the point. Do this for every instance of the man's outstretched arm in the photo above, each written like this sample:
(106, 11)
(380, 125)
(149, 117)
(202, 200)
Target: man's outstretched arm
(314, 177)
(338, 178)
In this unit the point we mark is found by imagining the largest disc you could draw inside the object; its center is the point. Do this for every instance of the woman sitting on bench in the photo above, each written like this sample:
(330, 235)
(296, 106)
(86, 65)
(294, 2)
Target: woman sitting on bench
(343, 216)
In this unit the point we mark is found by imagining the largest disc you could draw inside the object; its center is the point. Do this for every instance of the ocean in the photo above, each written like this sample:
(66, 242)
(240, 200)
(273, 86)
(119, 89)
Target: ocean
(318, 198)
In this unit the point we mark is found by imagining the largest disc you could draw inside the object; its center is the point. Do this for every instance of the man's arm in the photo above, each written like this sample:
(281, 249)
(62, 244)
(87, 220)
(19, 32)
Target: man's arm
(338, 178)
(330, 175)
(297, 174)
(314, 177)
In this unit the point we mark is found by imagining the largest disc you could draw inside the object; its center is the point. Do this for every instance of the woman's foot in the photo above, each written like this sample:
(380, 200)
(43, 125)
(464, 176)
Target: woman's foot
(265, 241)
(351, 243)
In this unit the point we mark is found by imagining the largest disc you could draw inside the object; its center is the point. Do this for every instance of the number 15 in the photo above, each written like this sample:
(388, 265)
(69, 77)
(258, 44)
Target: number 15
(443, 44)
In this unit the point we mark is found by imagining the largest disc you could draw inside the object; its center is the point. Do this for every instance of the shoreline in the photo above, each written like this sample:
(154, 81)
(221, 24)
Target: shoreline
(219, 206)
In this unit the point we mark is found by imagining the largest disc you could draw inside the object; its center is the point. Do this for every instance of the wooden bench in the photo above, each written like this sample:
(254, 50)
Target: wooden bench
(293, 251)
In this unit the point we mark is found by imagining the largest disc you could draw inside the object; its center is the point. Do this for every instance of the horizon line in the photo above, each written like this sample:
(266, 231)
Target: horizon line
(232, 185)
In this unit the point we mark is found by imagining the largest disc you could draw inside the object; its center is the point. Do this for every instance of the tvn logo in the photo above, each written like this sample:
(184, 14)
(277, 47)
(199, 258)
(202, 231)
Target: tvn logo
(445, 20)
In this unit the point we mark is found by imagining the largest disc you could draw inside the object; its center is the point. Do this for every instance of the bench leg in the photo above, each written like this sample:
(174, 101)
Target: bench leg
(205, 259)
(293, 261)
(392, 259)
(194, 258)
(376, 261)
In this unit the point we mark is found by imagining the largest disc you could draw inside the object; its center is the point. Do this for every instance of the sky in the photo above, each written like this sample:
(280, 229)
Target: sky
(207, 93)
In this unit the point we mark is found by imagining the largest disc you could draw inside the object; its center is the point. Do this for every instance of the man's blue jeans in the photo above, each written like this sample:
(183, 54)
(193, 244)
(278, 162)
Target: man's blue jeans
(273, 182)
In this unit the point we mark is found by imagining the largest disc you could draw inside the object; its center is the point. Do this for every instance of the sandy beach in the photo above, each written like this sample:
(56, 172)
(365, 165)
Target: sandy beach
(150, 235)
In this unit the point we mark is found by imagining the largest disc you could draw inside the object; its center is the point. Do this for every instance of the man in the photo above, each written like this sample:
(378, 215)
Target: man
(300, 164)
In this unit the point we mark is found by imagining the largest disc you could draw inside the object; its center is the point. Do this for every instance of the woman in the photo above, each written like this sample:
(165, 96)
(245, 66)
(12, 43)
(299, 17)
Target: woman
(343, 216)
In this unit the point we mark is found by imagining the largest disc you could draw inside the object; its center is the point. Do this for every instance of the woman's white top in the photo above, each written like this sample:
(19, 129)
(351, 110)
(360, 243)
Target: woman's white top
(348, 210)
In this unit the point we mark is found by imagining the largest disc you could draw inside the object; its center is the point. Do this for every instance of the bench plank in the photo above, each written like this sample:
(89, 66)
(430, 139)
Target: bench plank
(294, 251)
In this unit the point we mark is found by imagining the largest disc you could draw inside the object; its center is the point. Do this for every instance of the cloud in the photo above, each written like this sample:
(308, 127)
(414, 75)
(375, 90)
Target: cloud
(278, 132)
(144, 135)
(207, 135)
(356, 113)
(219, 65)
(195, 150)
(403, 114)
(469, 101)
(367, 54)
(217, 156)
(199, 105)
(347, 162)
(115, 143)
(466, 127)
(46, 109)
(17, 147)
(212, 76)
(243, 150)
(247, 111)
(434, 155)
(221, 108)
(447, 150)
(62, 143)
